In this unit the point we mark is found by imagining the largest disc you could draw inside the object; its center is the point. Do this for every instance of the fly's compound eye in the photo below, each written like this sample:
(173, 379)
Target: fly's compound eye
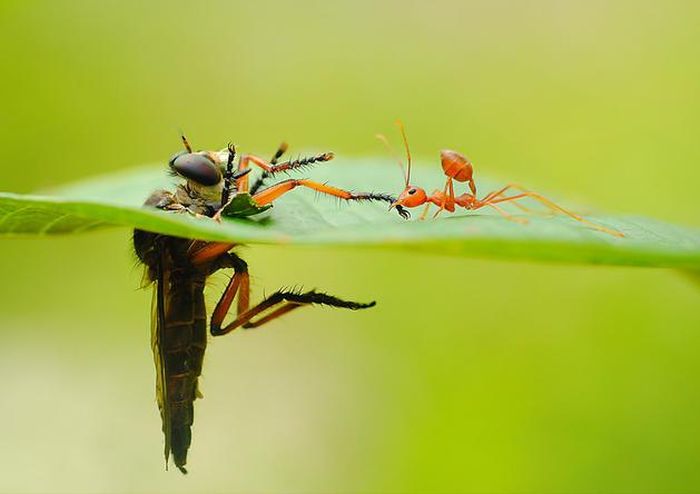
(196, 167)
(176, 156)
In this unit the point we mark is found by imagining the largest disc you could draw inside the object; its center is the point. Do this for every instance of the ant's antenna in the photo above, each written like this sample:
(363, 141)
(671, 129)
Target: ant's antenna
(185, 142)
(385, 141)
(408, 151)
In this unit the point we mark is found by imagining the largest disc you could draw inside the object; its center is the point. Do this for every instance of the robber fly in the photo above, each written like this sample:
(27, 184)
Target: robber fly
(178, 268)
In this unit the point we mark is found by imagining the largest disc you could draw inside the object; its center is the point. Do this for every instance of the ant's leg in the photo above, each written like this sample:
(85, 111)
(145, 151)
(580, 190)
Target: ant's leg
(444, 195)
(506, 215)
(259, 181)
(271, 169)
(274, 192)
(449, 202)
(424, 214)
(521, 207)
(556, 207)
(499, 193)
(290, 300)
(503, 190)
(496, 193)
(472, 186)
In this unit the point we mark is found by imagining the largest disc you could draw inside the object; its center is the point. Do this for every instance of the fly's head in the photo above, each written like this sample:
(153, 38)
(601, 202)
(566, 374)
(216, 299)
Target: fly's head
(201, 170)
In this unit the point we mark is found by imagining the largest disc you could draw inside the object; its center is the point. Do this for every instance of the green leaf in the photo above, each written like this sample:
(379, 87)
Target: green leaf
(304, 217)
(242, 205)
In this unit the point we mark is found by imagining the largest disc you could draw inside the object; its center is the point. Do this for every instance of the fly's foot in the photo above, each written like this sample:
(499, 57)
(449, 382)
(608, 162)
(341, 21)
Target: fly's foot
(179, 208)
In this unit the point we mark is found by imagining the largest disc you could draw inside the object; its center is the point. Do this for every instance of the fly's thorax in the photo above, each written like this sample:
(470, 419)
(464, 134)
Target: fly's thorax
(197, 198)
(209, 193)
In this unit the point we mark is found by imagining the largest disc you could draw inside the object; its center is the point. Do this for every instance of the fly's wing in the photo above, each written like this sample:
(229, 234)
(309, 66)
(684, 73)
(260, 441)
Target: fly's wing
(162, 283)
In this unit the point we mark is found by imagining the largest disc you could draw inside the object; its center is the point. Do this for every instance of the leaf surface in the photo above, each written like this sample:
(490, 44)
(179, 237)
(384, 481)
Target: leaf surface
(303, 217)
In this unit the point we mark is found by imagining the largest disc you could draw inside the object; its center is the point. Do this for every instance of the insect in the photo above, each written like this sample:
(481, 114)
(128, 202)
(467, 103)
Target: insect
(179, 267)
(458, 168)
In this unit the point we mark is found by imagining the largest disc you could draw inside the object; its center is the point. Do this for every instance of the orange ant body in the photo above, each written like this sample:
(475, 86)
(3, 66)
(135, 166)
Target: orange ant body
(458, 168)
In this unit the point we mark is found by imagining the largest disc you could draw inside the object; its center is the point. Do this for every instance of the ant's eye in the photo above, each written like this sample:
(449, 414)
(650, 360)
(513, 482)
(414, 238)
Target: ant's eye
(196, 167)
(411, 192)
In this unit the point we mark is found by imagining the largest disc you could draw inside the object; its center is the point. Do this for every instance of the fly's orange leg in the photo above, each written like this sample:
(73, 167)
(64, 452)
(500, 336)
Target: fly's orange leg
(242, 183)
(278, 304)
(239, 284)
(275, 157)
(202, 252)
(274, 192)
(272, 168)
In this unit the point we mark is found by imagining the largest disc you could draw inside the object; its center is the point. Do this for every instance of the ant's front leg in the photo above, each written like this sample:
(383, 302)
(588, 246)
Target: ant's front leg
(448, 198)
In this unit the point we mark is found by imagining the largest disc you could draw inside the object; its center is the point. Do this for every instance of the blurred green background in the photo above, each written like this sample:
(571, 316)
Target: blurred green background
(468, 376)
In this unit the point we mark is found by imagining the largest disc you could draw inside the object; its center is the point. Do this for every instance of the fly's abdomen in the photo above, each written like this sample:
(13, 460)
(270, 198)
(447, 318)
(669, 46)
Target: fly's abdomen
(183, 342)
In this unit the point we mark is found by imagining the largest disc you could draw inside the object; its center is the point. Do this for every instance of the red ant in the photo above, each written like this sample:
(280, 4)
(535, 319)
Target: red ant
(458, 167)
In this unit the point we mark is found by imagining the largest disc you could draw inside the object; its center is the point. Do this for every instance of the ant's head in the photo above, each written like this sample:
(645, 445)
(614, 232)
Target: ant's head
(411, 196)
(199, 168)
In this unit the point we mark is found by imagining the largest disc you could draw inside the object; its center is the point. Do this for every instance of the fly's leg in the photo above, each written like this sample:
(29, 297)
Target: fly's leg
(265, 174)
(238, 285)
(202, 252)
(274, 192)
(271, 168)
(228, 175)
(276, 305)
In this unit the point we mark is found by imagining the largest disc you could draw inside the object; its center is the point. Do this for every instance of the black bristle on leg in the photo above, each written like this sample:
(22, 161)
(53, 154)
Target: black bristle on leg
(318, 298)
(373, 196)
(301, 163)
(228, 175)
(288, 166)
